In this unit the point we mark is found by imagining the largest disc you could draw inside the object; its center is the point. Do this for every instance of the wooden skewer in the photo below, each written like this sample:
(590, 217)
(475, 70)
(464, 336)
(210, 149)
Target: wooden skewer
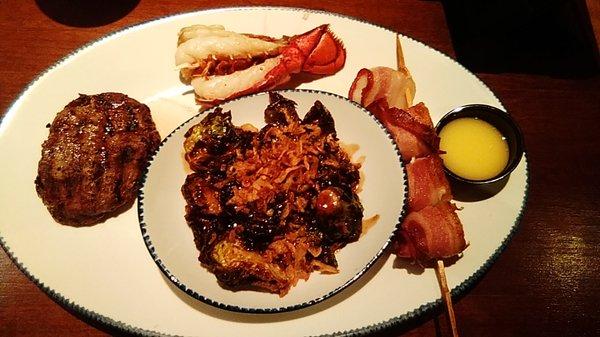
(439, 270)
(441, 276)
(409, 93)
(399, 54)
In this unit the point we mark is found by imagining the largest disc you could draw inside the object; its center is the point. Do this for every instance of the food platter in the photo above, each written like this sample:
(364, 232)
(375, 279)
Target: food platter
(105, 273)
(382, 194)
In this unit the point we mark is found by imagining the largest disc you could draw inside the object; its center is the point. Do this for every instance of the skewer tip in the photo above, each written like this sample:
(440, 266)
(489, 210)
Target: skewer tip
(441, 276)
(400, 64)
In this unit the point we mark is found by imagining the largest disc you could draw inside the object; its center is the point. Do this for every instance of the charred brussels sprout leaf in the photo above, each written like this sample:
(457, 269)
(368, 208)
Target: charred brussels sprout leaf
(281, 111)
(320, 116)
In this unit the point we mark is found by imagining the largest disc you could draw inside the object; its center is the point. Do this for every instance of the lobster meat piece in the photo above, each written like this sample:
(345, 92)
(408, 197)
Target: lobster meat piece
(222, 65)
(396, 86)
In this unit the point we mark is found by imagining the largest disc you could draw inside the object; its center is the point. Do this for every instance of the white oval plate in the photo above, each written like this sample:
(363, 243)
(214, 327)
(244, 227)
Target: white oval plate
(382, 193)
(105, 273)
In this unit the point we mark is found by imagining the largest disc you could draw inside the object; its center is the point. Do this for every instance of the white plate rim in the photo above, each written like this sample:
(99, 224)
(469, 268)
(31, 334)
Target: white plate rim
(405, 319)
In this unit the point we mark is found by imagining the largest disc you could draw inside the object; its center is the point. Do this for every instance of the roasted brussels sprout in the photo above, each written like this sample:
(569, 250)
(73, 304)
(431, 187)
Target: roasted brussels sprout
(213, 136)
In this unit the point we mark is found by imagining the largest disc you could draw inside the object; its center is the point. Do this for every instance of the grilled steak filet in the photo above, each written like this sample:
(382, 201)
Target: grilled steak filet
(94, 156)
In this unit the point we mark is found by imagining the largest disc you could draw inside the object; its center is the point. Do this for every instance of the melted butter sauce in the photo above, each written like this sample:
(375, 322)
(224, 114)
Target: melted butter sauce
(475, 149)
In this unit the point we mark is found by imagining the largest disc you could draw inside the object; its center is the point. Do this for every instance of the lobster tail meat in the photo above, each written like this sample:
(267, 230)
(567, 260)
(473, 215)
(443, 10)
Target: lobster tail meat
(214, 89)
(222, 65)
(205, 50)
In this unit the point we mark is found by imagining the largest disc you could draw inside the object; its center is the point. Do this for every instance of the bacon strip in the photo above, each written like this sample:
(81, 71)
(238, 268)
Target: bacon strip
(421, 114)
(413, 132)
(435, 232)
(362, 87)
(396, 86)
(427, 183)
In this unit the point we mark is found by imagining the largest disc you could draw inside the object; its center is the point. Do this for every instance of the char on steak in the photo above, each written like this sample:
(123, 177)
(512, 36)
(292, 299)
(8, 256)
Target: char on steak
(92, 161)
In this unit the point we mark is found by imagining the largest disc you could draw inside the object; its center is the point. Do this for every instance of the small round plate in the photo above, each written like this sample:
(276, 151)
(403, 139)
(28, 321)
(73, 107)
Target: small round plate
(170, 241)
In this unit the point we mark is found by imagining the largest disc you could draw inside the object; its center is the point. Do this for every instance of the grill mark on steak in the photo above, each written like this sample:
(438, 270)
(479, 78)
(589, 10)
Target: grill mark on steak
(94, 156)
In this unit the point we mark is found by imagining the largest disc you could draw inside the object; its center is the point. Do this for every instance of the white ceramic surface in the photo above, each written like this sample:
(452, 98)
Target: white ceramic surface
(105, 271)
(382, 194)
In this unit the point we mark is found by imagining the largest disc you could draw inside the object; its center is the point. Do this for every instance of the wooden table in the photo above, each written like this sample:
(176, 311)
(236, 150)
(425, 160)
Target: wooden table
(545, 283)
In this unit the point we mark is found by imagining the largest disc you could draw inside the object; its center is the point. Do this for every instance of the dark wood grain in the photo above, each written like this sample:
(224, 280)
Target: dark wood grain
(545, 283)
